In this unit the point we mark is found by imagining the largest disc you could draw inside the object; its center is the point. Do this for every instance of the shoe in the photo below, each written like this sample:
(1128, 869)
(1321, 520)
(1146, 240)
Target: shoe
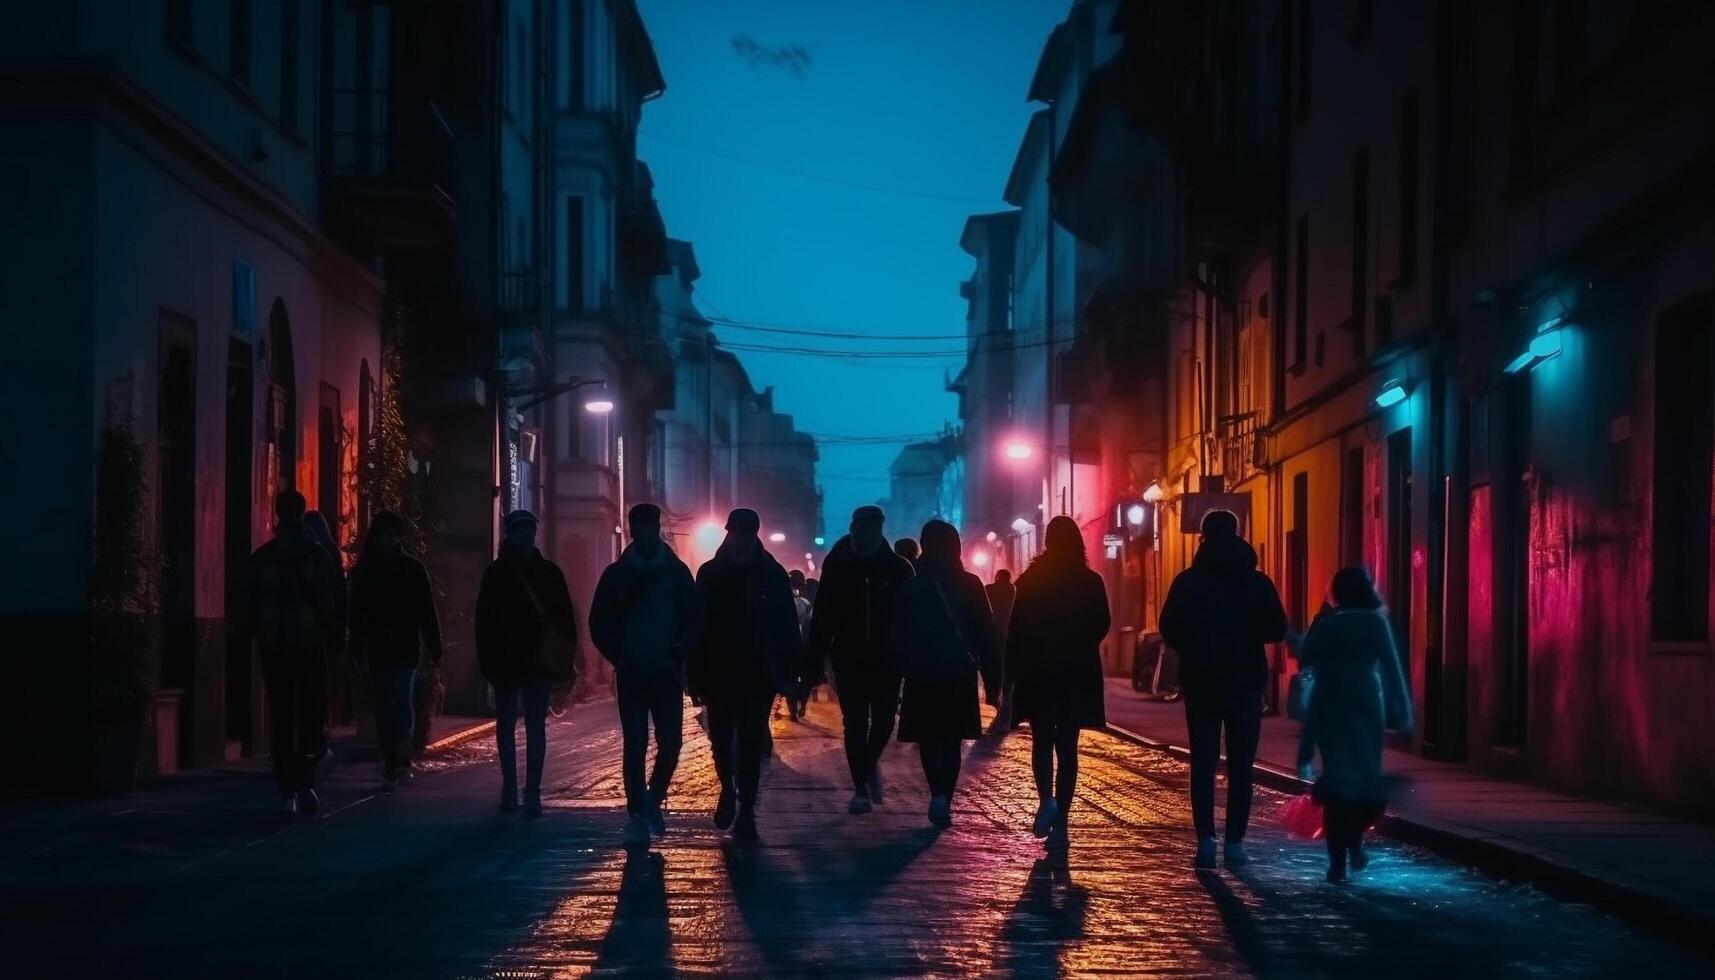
(289, 803)
(309, 803)
(532, 804)
(656, 818)
(725, 809)
(1336, 876)
(1205, 853)
(636, 832)
(1360, 858)
(1236, 856)
(860, 803)
(508, 801)
(1059, 838)
(875, 787)
(941, 812)
(744, 828)
(1046, 814)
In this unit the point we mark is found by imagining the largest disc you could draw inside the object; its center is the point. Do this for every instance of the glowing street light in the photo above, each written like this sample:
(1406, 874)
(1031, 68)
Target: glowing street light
(1135, 514)
(820, 541)
(777, 537)
(1153, 493)
(992, 537)
(980, 559)
(1020, 450)
(599, 405)
(1021, 525)
(708, 537)
(1391, 394)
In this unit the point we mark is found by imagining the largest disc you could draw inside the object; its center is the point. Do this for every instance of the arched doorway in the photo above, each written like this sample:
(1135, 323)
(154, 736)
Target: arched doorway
(280, 435)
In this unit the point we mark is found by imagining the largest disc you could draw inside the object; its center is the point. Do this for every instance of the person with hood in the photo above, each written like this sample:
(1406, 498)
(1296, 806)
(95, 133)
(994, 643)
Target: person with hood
(1002, 593)
(943, 636)
(526, 642)
(750, 651)
(1054, 667)
(850, 624)
(1359, 686)
(393, 622)
(1218, 615)
(294, 597)
(644, 619)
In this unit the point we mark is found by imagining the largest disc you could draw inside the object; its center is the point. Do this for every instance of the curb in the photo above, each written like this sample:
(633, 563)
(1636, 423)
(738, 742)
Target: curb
(461, 736)
(1646, 910)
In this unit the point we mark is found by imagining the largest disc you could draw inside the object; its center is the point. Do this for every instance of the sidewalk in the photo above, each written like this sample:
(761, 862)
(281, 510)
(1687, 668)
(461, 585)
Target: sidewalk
(1638, 864)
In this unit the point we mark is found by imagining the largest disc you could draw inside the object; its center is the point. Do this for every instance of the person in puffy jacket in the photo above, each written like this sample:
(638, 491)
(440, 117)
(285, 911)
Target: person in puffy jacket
(644, 619)
(1218, 615)
(523, 597)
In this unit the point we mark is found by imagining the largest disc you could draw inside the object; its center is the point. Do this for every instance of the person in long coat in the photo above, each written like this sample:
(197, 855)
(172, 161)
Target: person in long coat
(1359, 687)
(944, 638)
(393, 623)
(1054, 667)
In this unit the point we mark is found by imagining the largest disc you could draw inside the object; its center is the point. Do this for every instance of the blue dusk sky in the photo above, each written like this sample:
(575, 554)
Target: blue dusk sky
(921, 101)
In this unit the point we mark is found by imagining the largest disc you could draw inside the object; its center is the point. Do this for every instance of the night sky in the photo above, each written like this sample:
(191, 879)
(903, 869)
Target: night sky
(925, 101)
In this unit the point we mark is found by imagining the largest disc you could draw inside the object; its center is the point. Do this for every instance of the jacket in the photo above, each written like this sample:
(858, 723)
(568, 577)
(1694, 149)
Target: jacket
(1218, 615)
(294, 595)
(942, 616)
(508, 627)
(393, 620)
(717, 662)
(1359, 686)
(1053, 647)
(851, 620)
(646, 615)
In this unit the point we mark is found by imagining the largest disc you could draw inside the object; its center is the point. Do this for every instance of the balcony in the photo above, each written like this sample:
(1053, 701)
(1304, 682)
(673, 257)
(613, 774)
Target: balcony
(387, 167)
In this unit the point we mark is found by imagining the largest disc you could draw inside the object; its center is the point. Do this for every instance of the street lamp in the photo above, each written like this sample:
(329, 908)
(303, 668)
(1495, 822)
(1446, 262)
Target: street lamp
(599, 405)
(980, 559)
(1153, 493)
(992, 536)
(777, 537)
(531, 397)
(1021, 525)
(1019, 450)
(1135, 514)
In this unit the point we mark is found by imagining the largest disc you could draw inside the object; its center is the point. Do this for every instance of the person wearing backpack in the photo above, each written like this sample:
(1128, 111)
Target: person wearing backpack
(644, 618)
(944, 638)
(526, 642)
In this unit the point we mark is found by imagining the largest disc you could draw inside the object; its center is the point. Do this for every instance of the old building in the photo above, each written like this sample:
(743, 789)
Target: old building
(993, 496)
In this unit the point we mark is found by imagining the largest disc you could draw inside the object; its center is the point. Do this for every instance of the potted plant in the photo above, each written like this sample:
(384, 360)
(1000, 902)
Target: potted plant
(120, 605)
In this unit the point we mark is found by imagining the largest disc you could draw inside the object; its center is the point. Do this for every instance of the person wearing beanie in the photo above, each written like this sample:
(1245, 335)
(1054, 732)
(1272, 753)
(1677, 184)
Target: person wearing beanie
(1218, 615)
(850, 625)
(750, 651)
(645, 619)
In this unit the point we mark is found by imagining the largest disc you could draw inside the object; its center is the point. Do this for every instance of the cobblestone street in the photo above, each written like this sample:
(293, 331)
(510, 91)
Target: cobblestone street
(203, 879)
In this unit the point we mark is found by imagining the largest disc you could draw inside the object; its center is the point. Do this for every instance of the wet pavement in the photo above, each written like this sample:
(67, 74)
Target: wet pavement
(203, 879)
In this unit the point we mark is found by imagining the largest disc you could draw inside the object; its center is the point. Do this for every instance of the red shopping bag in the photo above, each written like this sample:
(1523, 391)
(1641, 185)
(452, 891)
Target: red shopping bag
(1303, 818)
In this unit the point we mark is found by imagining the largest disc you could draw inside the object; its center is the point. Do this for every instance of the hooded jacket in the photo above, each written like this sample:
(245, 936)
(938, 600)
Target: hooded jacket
(646, 614)
(1218, 615)
(718, 663)
(508, 627)
(1053, 646)
(853, 613)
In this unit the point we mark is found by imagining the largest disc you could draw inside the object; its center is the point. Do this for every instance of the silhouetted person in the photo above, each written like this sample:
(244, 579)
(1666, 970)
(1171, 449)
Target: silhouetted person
(801, 605)
(1001, 593)
(317, 528)
(1054, 667)
(750, 651)
(944, 638)
(1359, 686)
(393, 623)
(907, 549)
(850, 624)
(526, 639)
(1218, 614)
(292, 611)
(644, 619)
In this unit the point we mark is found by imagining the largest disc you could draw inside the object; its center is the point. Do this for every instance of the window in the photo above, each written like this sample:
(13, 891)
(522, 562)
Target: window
(238, 62)
(1360, 246)
(289, 19)
(1407, 189)
(575, 253)
(1305, 29)
(180, 18)
(1301, 294)
(1684, 454)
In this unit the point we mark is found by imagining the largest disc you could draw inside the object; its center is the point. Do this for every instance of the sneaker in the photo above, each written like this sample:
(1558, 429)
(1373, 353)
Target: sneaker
(1360, 858)
(860, 803)
(1205, 853)
(532, 804)
(1236, 856)
(1046, 814)
(744, 828)
(636, 832)
(656, 818)
(508, 801)
(941, 812)
(726, 808)
(309, 803)
(875, 787)
(1059, 838)
(289, 803)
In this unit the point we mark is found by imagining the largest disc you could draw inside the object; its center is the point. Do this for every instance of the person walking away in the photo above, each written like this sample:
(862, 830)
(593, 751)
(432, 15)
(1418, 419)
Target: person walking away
(526, 642)
(644, 619)
(944, 638)
(1218, 615)
(1002, 593)
(393, 625)
(339, 686)
(294, 595)
(750, 651)
(1054, 665)
(1359, 687)
(801, 604)
(850, 624)
(907, 549)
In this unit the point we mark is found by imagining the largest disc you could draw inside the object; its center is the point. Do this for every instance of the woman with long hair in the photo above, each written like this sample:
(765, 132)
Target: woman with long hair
(1054, 667)
(1359, 687)
(943, 637)
(393, 622)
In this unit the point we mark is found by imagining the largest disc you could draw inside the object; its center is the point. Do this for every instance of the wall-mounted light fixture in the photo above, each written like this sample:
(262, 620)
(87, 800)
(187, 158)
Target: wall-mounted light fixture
(1544, 344)
(1021, 525)
(1392, 393)
(1153, 493)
